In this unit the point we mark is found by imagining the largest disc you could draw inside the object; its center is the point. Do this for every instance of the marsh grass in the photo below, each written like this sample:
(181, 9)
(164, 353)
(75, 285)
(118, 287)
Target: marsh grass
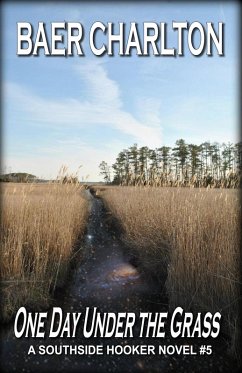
(40, 224)
(195, 235)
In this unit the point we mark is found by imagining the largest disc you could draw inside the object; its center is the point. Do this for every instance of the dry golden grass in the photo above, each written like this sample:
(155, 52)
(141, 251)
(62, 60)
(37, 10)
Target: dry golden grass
(196, 233)
(40, 224)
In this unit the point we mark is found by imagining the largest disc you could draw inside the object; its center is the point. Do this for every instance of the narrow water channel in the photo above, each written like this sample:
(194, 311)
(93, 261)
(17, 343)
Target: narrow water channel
(106, 279)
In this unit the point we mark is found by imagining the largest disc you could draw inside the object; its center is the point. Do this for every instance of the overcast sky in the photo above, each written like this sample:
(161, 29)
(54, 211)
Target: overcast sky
(82, 110)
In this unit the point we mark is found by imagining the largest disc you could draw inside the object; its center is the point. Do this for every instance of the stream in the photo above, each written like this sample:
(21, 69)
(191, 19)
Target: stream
(107, 278)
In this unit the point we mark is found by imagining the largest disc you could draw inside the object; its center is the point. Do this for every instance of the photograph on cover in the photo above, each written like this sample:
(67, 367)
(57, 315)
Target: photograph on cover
(120, 177)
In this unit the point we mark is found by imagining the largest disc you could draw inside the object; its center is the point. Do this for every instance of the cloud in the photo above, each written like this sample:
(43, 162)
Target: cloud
(102, 106)
(100, 89)
(72, 153)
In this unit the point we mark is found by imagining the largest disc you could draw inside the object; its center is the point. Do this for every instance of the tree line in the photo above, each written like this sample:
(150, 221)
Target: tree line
(18, 177)
(205, 165)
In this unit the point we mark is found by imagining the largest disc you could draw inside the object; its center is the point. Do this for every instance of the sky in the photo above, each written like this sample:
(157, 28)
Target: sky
(79, 111)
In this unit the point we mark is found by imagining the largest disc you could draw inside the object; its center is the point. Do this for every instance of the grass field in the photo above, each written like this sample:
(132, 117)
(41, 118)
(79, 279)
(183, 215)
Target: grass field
(188, 238)
(195, 235)
(40, 224)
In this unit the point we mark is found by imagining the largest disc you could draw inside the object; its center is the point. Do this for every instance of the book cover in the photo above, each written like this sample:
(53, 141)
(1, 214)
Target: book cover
(120, 178)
